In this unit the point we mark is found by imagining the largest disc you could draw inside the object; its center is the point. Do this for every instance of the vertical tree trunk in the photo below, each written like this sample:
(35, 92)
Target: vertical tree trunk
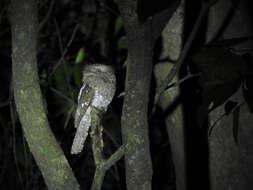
(172, 36)
(44, 147)
(135, 110)
(231, 164)
(140, 39)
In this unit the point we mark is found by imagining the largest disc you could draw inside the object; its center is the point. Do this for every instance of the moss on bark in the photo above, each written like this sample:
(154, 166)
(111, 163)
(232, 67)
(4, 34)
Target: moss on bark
(41, 141)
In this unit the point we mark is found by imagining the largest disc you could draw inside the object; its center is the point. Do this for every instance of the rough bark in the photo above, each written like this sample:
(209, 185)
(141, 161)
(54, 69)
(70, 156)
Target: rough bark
(135, 110)
(102, 165)
(141, 38)
(41, 141)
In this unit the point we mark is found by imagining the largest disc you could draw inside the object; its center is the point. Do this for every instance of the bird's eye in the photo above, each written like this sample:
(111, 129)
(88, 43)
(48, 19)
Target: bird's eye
(99, 70)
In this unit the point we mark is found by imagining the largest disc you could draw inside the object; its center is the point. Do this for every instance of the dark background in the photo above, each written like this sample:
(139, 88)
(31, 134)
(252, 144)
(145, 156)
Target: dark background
(60, 86)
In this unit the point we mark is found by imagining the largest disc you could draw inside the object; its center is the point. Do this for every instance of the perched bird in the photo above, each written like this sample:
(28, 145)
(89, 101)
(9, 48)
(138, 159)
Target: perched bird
(99, 84)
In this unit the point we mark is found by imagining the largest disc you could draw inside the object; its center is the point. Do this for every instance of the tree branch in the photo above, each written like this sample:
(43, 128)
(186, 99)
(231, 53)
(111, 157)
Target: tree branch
(102, 165)
(160, 20)
(28, 99)
(184, 53)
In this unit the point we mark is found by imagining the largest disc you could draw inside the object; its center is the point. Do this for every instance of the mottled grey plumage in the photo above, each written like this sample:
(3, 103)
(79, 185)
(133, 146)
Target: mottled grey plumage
(98, 89)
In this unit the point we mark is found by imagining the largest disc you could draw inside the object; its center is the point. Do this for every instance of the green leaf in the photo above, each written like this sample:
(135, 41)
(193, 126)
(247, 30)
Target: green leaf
(118, 24)
(80, 56)
(122, 43)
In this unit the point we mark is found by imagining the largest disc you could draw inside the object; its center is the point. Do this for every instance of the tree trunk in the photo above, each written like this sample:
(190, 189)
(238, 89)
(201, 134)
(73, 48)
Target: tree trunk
(41, 141)
(135, 110)
(172, 36)
(141, 36)
(231, 164)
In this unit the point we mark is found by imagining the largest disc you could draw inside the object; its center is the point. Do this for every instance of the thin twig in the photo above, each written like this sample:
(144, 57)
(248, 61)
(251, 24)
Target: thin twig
(108, 8)
(42, 24)
(25, 158)
(102, 165)
(59, 93)
(64, 51)
(223, 115)
(116, 156)
(184, 53)
(189, 76)
(59, 37)
(66, 48)
(68, 116)
(14, 146)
